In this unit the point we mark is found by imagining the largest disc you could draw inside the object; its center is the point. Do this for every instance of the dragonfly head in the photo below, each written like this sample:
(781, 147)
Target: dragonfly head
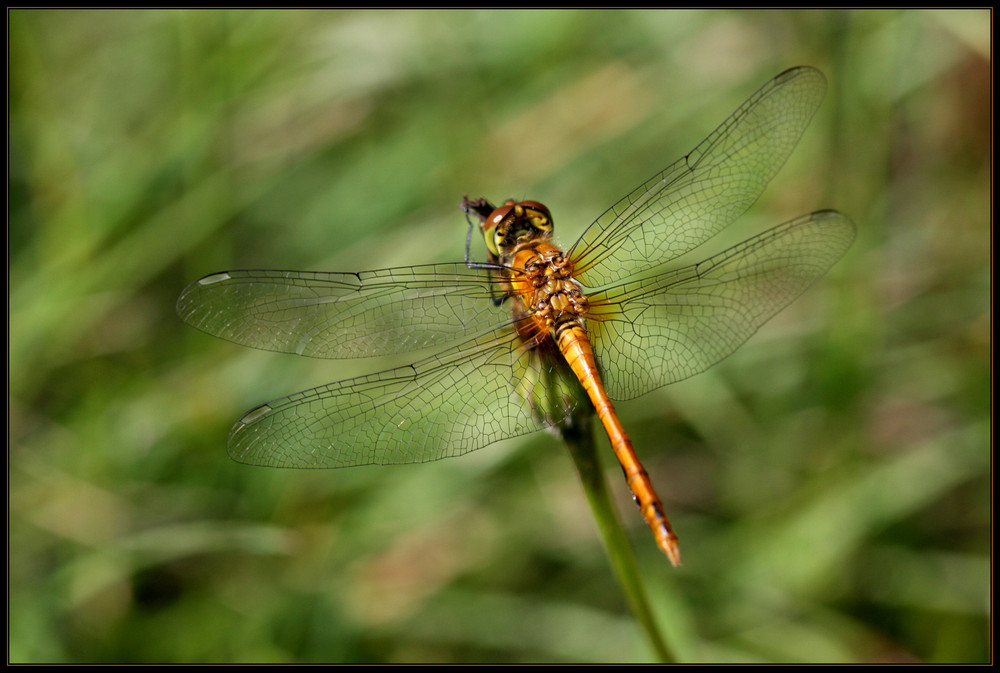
(516, 222)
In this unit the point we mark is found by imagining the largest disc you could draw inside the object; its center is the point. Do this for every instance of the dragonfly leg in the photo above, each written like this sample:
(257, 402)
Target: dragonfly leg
(481, 208)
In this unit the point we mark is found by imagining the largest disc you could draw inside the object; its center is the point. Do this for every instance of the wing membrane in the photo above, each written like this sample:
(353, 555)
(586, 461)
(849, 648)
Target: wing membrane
(689, 202)
(344, 315)
(653, 332)
(459, 400)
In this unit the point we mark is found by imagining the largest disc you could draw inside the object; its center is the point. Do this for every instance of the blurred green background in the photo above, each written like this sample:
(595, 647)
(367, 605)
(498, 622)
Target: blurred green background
(830, 482)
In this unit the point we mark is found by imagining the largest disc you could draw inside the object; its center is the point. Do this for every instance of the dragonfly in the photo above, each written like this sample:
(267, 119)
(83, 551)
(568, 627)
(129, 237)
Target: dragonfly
(526, 339)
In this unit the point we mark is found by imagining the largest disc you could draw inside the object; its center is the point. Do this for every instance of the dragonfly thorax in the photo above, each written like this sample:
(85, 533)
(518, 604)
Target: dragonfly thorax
(543, 276)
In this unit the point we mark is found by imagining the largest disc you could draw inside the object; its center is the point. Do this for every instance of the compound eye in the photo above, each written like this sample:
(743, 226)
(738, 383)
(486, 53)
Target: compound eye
(499, 215)
(535, 205)
(491, 223)
(536, 213)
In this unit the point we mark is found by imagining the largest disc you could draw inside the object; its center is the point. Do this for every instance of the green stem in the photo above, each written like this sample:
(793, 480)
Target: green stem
(579, 438)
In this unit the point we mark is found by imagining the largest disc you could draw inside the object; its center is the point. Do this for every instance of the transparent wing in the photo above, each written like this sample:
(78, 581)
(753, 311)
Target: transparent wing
(689, 202)
(653, 332)
(459, 400)
(344, 315)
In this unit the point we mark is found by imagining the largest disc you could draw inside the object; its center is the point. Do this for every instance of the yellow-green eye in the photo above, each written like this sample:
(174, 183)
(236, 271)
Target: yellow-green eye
(514, 222)
(492, 231)
(538, 214)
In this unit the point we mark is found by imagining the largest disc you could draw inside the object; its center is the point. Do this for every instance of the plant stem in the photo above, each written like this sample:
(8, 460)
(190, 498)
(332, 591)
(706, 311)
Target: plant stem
(579, 438)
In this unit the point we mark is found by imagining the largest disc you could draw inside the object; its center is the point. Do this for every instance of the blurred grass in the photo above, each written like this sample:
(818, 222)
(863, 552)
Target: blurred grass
(830, 482)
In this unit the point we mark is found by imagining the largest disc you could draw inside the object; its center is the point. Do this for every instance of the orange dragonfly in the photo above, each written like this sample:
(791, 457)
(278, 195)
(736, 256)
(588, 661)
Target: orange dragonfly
(535, 332)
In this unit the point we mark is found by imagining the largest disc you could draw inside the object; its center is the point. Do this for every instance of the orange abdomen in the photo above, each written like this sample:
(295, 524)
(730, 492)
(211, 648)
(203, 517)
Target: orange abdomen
(575, 347)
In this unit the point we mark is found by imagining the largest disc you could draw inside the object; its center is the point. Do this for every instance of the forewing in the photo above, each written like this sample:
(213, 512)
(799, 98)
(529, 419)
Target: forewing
(689, 202)
(653, 332)
(344, 315)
